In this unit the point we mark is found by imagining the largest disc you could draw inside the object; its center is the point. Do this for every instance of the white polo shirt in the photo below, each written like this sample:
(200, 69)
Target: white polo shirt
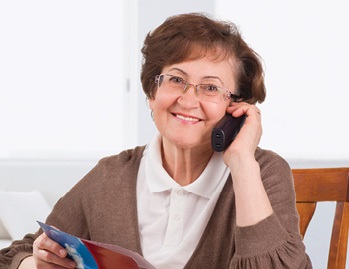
(172, 218)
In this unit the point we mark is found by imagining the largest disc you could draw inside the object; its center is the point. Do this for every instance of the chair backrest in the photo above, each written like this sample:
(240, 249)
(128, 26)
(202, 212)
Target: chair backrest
(319, 185)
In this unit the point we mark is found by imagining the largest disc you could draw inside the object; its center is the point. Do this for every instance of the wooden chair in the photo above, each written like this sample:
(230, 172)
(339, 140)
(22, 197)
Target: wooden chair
(325, 184)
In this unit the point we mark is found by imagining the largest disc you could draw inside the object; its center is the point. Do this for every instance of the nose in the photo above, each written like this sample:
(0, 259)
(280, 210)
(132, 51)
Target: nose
(188, 98)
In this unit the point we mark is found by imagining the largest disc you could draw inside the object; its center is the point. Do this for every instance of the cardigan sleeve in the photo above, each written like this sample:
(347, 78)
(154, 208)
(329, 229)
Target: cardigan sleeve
(274, 242)
(268, 245)
(13, 255)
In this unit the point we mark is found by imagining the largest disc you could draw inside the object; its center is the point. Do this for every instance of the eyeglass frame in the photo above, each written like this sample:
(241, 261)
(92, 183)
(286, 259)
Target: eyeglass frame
(230, 95)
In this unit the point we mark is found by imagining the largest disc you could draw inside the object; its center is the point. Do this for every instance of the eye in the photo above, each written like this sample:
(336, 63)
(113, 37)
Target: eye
(176, 80)
(210, 88)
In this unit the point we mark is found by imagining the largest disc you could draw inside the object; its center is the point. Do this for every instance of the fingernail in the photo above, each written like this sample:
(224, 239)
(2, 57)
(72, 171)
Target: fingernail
(62, 252)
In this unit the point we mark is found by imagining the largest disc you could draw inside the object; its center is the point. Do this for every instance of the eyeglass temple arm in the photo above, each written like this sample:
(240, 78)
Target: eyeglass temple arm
(235, 97)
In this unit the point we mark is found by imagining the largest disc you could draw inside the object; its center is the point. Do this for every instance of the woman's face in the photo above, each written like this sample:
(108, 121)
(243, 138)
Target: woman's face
(183, 119)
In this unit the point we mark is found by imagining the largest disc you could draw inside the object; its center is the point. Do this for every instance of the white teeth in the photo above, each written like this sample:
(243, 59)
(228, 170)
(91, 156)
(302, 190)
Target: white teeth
(187, 118)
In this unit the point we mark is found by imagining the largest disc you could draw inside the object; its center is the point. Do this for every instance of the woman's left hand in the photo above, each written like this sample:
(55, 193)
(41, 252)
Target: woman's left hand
(248, 138)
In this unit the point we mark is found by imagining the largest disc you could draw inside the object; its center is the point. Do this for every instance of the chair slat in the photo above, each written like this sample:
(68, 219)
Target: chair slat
(339, 239)
(306, 212)
(329, 184)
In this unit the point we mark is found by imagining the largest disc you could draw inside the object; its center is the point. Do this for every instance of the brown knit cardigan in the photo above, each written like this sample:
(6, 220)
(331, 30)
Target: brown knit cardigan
(102, 207)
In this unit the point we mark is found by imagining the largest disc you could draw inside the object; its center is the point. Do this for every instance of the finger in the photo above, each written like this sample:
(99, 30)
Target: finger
(48, 252)
(238, 109)
(46, 259)
(46, 243)
(251, 131)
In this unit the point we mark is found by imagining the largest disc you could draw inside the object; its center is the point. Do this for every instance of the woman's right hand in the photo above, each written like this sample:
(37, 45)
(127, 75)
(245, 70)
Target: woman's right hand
(49, 254)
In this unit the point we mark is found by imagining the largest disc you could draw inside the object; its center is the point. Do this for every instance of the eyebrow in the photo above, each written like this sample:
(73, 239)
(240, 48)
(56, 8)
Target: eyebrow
(205, 77)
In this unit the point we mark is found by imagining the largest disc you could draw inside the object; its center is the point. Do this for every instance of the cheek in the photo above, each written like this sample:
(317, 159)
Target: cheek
(161, 102)
(217, 113)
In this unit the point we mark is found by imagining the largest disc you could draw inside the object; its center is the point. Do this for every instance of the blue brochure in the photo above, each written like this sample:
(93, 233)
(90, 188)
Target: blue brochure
(94, 255)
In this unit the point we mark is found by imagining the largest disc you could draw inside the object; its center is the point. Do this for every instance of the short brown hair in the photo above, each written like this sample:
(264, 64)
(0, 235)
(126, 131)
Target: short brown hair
(191, 36)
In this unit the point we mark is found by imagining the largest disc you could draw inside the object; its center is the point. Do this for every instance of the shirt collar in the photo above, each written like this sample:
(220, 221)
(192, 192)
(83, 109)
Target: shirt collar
(205, 185)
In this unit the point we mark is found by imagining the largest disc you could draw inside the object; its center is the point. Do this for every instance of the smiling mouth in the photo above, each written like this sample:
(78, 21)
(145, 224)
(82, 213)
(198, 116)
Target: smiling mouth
(187, 118)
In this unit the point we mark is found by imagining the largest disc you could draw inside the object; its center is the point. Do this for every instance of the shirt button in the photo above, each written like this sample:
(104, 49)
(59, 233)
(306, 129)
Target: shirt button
(180, 192)
(177, 216)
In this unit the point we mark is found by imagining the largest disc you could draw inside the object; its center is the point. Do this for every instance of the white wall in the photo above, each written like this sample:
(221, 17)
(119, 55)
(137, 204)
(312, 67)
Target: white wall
(62, 79)
(69, 75)
(304, 45)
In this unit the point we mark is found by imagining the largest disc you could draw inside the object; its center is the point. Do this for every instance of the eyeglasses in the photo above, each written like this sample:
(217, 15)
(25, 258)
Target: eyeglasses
(205, 92)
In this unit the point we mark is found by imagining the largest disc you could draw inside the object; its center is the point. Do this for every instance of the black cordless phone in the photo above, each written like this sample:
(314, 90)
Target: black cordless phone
(225, 131)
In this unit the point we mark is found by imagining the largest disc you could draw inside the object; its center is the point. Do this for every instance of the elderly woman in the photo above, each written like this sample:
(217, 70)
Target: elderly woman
(175, 200)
